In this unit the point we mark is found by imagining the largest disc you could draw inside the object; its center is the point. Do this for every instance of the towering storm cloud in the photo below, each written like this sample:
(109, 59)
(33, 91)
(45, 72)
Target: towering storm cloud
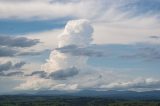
(68, 69)
(77, 33)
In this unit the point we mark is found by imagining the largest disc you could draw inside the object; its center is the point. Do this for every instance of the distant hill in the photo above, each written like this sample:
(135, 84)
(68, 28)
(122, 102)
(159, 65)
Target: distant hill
(109, 94)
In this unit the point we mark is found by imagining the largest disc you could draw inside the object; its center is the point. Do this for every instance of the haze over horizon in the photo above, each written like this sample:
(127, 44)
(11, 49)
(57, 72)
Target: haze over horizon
(79, 45)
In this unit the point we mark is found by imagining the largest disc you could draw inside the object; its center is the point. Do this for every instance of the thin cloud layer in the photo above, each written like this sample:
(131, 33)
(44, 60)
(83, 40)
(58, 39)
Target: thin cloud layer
(81, 51)
(138, 84)
(42, 9)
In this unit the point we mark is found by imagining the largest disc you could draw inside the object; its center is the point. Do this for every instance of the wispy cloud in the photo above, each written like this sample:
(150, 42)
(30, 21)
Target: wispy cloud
(81, 51)
(47, 9)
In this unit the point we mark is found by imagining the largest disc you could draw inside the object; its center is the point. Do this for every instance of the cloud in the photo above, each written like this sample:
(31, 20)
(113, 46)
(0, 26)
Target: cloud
(136, 84)
(154, 37)
(81, 51)
(110, 19)
(64, 73)
(36, 83)
(5, 66)
(47, 9)
(12, 46)
(20, 64)
(40, 74)
(78, 33)
(144, 51)
(118, 22)
(15, 52)
(10, 74)
(73, 51)
(10, 66)
(32, 53)
(49, 39)
(7, 52)
(63, 66)
(6, 69)
(17, 41)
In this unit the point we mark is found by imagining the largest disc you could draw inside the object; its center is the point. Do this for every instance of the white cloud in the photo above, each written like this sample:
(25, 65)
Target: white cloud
(35, 83)
(76, 32)
(136, 84)
(113, 22)
(48, 39)
(47, 10)
(126, 31)
(92, 79)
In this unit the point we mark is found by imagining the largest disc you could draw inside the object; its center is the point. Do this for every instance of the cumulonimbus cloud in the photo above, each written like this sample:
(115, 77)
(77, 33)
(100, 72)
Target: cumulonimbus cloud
(61, 66)
(66, 62)
(78, 33)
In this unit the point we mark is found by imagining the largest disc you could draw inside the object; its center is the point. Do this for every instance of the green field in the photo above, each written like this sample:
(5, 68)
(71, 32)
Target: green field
(71, 101)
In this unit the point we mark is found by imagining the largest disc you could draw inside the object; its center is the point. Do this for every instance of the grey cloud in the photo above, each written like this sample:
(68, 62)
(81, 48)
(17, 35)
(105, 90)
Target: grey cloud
(154, 37)
(150, 53)
(15, 74)
(7, 52)
(41, 74)
(17, 41)
(9, 65)
(29, 53)
(20, 64)
(135, 84)
(78, 51)
(64, 74)
(32, 53)
(12, 52)
(2, 74)
(144, 51)
(9, 46)
(10, 74)
(146, 54)
(64, 1)
(5, 66)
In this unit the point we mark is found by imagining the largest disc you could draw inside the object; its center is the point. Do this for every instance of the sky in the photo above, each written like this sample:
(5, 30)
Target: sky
(73, 45)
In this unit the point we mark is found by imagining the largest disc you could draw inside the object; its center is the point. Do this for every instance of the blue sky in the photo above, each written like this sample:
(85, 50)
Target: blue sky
(21, 27)
(126, 35)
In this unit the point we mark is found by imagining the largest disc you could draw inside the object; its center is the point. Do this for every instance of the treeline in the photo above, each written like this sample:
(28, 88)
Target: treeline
(71, 101)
